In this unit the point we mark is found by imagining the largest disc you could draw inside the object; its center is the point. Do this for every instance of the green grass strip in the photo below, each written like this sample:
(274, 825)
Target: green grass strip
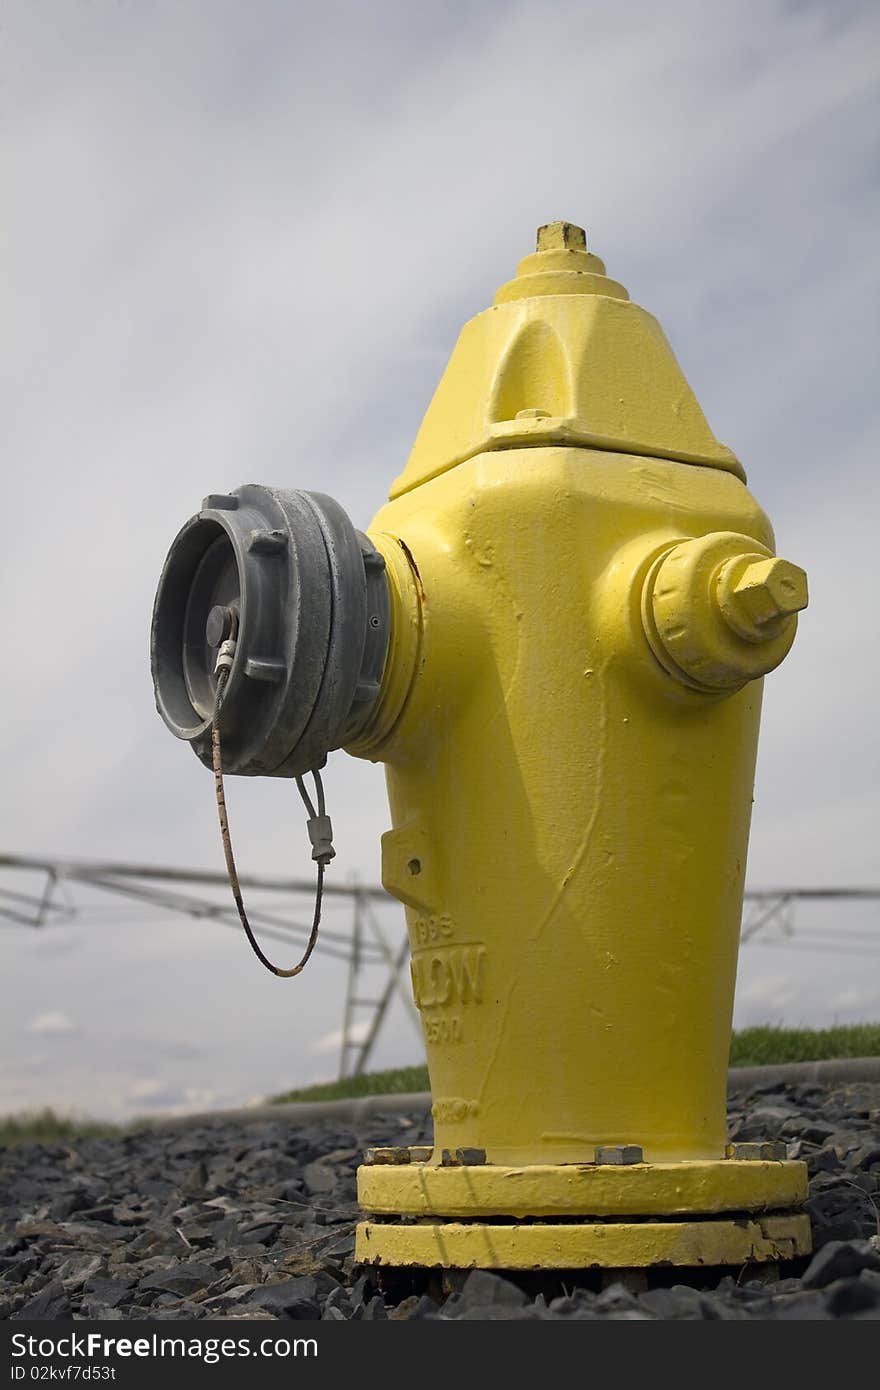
(45, 1127)
(374, 1083)
(753, 1047)
(757, 1047)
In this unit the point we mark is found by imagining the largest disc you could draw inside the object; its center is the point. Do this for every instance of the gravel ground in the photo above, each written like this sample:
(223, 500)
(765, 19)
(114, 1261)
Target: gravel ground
(257, 1221)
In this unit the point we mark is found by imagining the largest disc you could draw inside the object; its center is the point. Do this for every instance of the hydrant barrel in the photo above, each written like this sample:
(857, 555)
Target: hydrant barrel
(571, 830)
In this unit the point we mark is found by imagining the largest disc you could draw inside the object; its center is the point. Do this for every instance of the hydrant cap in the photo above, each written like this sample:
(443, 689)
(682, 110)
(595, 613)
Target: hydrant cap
(562, 357)
(278, 586)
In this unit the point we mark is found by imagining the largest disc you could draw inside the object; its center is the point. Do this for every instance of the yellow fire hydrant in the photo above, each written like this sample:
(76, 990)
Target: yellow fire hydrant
(586, 601)
(582, 600)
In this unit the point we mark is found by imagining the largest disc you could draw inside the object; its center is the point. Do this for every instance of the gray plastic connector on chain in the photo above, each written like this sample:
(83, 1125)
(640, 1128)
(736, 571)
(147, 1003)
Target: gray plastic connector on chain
(321, 836)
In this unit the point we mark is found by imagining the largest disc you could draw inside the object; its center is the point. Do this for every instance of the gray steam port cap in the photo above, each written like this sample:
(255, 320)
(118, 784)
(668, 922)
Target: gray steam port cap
(304, 597)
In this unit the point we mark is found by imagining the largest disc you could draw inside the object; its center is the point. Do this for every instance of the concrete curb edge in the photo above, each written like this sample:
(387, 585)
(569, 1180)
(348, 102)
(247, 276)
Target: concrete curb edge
(355, 1109)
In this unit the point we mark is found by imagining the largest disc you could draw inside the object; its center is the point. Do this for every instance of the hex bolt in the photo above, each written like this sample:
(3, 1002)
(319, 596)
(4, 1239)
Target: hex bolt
(561, 236)
(619, 1153)
(770, 1151)
(767, 592)
(219, 625)
(448, 1160)
(421, 1153)
(386, 1154)
(471, 1158)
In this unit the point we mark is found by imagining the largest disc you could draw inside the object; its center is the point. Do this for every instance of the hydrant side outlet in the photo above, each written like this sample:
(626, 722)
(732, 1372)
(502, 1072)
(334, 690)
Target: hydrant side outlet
(309, 600)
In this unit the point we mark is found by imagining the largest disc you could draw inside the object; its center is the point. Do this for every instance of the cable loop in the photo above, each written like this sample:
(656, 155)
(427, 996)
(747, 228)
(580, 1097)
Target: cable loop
(320, 834)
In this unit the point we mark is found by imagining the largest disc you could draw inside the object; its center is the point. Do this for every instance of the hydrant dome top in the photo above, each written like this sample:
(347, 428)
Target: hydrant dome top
(562, 357)
(560, 264)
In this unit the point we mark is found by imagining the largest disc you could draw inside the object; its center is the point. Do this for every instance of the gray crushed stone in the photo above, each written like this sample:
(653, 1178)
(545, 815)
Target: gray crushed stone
(257, 1222)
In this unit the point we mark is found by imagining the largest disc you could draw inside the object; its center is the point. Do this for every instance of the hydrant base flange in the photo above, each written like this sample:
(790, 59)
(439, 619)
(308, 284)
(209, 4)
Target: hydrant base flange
(696, 1188)
(604, 1245)
(581, 1215)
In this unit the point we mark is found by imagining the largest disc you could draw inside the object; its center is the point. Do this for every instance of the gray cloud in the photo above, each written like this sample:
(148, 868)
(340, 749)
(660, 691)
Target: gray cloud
(244, 240)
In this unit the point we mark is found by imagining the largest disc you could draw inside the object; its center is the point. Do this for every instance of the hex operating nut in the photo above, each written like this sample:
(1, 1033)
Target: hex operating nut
(421, 1153)
(561, 236)
(386, 1154)
(768, 1151)
(619, 1153)
(759, 599)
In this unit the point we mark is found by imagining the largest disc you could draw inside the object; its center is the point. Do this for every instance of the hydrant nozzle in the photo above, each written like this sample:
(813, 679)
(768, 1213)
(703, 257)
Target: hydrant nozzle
(720, 610)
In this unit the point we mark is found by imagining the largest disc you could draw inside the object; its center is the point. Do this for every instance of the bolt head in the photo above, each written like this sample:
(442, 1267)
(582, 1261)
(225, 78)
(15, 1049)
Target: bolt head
(619, 1154)
(384, 1154)
(471, 1157)
(762, 1151)
(421, 1153)
(769, 590)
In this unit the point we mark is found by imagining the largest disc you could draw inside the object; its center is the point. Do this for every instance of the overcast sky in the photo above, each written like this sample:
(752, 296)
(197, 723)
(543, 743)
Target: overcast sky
(240, 242)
